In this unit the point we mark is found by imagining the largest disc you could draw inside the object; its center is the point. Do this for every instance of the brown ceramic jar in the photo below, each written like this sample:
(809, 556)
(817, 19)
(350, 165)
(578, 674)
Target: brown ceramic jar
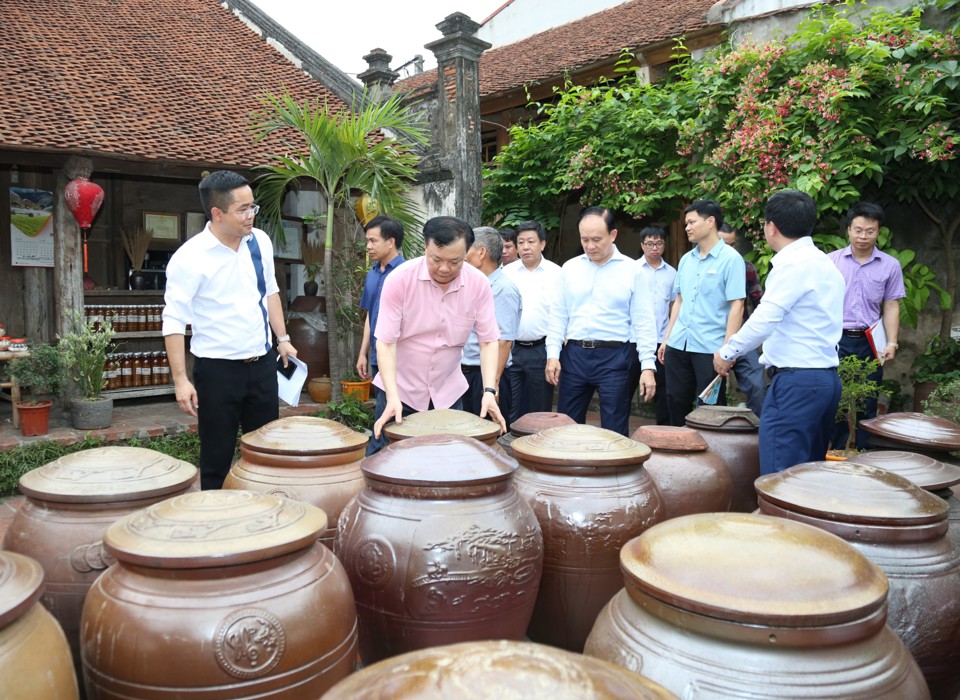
(902, 529)
(733, 605)
(916, 432)
(35, 661)
(308, 459)
(439, 547)
(219, 595)
(690, 477)
(591, 495)
(445, 421)
(495, 669)
(530, 423)
(71, 502)
(732, 433)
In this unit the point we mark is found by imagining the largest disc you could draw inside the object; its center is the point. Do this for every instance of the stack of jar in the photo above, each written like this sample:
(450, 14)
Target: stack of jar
(127, 318)
(136, 369)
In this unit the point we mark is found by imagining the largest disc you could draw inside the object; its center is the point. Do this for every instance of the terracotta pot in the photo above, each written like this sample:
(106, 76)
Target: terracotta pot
(34, 417)
(500, 669)
(917, 432)
(921, 392)
(35, 661)
(531, 423)
(732, 433)
(690, 478)
(591, 495)
(319, 389)
(219, 595)
(902, 529)
(439, 547)
(361, 390)
(733, 605)
(307, 328)
(304, 458)
(446, 421)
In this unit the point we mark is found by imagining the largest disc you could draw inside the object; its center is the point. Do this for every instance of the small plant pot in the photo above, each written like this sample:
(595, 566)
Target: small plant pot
(361, 390)
(836, 456)
(319, 389)
(34, 417)
(92, 414)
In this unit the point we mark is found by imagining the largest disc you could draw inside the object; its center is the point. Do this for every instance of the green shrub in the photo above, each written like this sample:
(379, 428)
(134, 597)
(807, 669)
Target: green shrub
(944, 401)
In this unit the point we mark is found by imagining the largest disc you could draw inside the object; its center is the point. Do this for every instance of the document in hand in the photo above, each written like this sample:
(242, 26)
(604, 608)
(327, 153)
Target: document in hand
(712, 392)
(878, 339)
(289, 388)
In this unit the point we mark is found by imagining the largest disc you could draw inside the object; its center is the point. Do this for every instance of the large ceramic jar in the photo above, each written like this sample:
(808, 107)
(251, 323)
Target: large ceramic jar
(916, 432)
(35, 659)
(219, 595)
(308, 459)
(534, 422)
(733, 434)
(591, 495)
(495, 669)
(439, 547)
(445, 421)
(732, 605)
(690, 477)
(902, 529)
(71, 502)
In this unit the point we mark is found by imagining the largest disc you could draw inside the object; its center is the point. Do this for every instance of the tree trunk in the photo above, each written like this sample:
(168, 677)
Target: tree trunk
(336, 367)
(947, 223)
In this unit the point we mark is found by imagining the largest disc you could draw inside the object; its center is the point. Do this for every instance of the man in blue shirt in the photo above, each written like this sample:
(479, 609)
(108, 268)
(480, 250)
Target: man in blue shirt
(660, 278)
(710, 287)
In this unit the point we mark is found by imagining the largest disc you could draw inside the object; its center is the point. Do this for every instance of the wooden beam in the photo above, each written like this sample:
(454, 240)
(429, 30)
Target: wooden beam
(67, 246)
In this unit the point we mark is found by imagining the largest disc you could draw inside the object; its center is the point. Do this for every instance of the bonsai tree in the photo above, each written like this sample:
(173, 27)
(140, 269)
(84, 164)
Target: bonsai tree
(84, 352)
(857, 387)
(42, 371)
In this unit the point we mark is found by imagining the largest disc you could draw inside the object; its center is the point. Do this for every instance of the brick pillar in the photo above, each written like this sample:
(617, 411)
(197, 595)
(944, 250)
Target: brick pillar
(378, 78)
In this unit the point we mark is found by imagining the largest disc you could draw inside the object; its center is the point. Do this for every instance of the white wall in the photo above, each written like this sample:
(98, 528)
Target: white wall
(524, 18)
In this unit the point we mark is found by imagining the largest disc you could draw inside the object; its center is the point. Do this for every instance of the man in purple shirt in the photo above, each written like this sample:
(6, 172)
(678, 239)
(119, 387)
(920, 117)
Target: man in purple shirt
(874, 288)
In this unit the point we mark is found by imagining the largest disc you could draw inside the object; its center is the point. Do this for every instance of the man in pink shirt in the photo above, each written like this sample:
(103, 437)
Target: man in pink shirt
(428, 307)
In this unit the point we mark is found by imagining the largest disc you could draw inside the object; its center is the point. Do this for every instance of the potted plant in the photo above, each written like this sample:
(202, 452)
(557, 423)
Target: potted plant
(944, 401)
(351, 412)
(136, 243)
(43, 373)
(312, 252)
(355, 385)
(84, 351)
(857, 387)
(939, 364)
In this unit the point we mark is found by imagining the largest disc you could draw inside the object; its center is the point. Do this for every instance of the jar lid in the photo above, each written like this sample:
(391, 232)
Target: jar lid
(108, 475)
(580, 446)
(21, 583)
(917, 429)
(531, 423)
(732, 418)
(754, 570)
(438, 460)
(214, 528)
(304, 435)
(444, 421)
(851, 493)
(670, 438)
(926, 472)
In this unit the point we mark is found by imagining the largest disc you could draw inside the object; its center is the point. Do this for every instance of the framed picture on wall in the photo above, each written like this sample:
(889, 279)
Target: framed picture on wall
(193, 223)
(293, 230)
(165, 225)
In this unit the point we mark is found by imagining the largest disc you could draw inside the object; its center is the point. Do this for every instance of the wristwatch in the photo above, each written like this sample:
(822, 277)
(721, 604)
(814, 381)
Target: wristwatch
(283, 339)
(895, 346)
(489, 390)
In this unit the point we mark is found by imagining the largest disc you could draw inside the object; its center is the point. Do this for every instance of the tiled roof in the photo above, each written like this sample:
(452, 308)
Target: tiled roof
(580, 44)
(163, 80)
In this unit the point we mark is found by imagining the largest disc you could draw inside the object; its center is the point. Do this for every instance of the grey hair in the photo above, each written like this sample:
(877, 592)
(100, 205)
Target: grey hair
(489, 238)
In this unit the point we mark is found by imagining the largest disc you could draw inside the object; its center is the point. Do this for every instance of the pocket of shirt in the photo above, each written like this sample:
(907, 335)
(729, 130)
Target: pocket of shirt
(464, 322)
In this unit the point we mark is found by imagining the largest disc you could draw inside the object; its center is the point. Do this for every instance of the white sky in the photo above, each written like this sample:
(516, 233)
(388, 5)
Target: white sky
(343, 32)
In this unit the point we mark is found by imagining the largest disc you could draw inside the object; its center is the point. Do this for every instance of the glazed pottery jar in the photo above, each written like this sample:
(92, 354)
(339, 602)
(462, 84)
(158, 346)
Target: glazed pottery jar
(439, 547)
(736, 605)
(35, 661)
(530, 423)
(733, 434)
(690, 478)
(902, 529)
(71, 502)
(219, 595)
(591, 494)
(916, 432)
(308, 459)
(446, 421)
(495, 669)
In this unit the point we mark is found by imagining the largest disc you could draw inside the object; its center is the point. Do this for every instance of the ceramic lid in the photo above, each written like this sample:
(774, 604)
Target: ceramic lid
(926, 472)
(304, 435)
(753, 569)
(670, 438)
(531, 423)
(214, 528)
(108, 475)
(731, 418)
(438, 460)
(21, 583)
(445, 421)
(916, 429)
(851, 493)
(581, 446)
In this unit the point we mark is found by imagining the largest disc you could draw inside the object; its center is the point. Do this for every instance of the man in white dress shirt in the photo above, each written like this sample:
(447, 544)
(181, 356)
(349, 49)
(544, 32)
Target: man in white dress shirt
(660, 276)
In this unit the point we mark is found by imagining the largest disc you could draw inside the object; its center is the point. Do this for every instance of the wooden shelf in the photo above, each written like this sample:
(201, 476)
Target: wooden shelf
(138, 391)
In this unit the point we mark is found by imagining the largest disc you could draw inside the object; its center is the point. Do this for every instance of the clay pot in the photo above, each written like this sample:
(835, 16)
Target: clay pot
(531, 423)
(901, 528)
(34, 417)
(497, 669)
(591, 495)
(35, 661)
(445, 421)
(690, 478)
(308, 459)
(439, 547)
(732, 433)
(219, 595)
(916, 432)
(307, 328)
(71, 502)
(733, 605)
(319, 389)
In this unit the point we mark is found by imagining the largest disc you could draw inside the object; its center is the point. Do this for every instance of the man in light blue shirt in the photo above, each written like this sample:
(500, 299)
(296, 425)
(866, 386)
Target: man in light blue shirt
(601, 331)
(799, 322)
(660, 276)
(710, 287)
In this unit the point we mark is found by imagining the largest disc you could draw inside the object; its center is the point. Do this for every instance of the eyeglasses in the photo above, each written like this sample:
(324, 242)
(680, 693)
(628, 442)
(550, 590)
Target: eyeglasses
(653, 244)
(248, 213)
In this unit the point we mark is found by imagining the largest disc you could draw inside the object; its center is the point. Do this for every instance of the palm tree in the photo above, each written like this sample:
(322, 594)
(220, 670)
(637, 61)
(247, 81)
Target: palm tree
(344, 153)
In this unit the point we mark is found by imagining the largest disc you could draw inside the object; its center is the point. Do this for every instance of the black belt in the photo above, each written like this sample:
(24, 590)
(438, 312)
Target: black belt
(530, 343)
(773, 371)
(245, 360)
(590, 344)
(469, 369)
(854, 332)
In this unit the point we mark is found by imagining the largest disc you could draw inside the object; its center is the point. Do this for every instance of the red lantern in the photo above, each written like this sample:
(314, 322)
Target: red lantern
(84, 199)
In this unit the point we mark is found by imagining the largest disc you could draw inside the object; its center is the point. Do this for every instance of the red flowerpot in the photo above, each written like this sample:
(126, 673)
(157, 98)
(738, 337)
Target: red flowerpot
(34, 417)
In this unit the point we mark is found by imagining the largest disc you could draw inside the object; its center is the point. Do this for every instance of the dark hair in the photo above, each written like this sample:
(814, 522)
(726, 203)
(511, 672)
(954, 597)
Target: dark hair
(444, 230)
(603, 213)
(727, 228)
(532, 226)
(488, 238)
(509, 234)
(868, 210)
(389, 228)
(793, 212)
(706, 208)
(216, 188)
(652, 232)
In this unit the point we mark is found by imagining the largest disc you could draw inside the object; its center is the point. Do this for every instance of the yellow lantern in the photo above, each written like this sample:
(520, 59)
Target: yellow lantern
(366, 208)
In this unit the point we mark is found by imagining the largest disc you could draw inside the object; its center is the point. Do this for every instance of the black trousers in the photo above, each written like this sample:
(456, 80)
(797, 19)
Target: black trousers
(688, 374)
(473, 396)
(530, 392)
(232, 395)
(660, 398)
